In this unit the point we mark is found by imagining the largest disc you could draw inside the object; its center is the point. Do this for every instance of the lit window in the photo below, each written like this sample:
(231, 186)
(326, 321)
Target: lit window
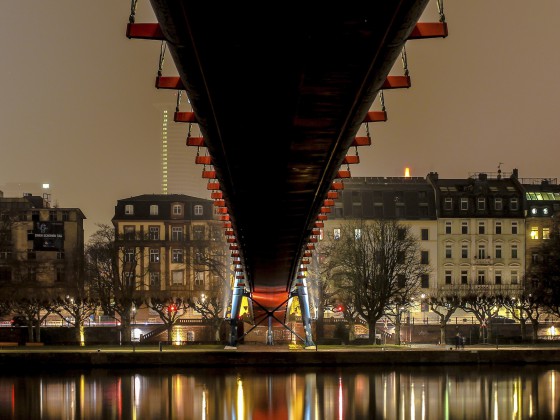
(154, 209)
(336, 233)
(534, 211)
(357, 233)
(546, 233)
(154, 255)
(534, 232)
(128, 209)
(198, 210)
(545, 211)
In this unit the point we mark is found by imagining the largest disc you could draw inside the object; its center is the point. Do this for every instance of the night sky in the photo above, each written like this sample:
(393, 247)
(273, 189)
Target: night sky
(79, 109)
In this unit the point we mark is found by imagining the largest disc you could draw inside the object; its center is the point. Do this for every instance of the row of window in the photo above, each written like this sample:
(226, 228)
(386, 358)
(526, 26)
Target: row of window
(481, 228)
(176, 209)
(177, 232)
(177, 256)
(54, 216)
(482, 277)
(481, 203)
(482, 250)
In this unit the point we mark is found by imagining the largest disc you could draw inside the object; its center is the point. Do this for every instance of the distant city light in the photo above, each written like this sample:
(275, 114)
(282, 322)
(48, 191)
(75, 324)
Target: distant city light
(46, 185)
(407, 172)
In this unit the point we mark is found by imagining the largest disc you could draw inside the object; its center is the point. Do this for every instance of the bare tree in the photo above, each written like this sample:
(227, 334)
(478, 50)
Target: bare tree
(378, 263)
(168, 308)
(211, 301)
(444, 306)
(113, 264)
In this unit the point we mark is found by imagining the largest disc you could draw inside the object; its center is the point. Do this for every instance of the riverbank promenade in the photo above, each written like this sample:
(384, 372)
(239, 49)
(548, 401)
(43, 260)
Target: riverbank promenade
(195, 356)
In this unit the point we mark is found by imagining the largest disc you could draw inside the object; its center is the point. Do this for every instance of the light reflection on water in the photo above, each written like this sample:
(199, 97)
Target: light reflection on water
(419, 393)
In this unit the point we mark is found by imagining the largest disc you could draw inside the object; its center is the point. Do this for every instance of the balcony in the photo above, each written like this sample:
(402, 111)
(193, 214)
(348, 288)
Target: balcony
(482, 261)
(475, 289)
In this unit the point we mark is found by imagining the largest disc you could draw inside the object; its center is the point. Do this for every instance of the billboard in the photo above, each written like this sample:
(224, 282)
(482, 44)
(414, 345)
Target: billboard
(48, 236)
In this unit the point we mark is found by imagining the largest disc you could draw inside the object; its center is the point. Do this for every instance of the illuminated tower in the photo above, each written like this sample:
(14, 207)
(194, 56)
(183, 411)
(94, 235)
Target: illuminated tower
(179, 173)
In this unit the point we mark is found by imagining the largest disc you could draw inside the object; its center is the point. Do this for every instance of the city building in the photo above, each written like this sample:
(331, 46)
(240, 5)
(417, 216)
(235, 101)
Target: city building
(481, 234)
(40, 246)
(541, 201)
(170, 234)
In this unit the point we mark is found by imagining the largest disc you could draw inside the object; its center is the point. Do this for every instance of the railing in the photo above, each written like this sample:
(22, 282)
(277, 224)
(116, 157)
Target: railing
(482, 261)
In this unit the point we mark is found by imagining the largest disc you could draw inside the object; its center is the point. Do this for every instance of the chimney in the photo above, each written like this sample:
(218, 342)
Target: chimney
(482, 177)
(515, 174)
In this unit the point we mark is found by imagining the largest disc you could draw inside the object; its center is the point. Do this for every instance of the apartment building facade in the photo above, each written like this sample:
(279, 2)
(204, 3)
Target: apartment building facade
(169, 235)
(41, 247)
(479, 234)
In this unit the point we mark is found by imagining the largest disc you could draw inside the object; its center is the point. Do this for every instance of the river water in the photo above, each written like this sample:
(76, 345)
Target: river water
(396, 392)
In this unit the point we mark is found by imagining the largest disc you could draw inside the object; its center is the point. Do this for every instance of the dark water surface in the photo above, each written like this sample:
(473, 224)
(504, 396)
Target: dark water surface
(397, 392)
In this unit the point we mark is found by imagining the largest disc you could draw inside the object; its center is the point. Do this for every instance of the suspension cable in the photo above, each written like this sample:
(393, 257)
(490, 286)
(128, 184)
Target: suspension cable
(162, 50)
(440, 10)
(179, 93)
(404, 60)
(382, 100)
(132, 16)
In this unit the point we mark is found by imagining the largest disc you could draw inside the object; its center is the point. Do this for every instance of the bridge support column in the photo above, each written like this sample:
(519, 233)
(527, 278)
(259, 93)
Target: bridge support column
(269, 334)
(305, 313)
(238, 293)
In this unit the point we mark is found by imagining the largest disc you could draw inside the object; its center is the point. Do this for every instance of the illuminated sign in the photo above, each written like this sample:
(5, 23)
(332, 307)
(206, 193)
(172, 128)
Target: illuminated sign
(48, 236)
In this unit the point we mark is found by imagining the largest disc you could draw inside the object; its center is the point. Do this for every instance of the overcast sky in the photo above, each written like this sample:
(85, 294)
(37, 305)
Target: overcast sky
(78, 102)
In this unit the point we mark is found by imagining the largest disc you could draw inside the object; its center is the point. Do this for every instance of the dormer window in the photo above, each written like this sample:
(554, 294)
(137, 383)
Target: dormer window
(154, 210)
(177, 209)
(129, 209)
(198, 210)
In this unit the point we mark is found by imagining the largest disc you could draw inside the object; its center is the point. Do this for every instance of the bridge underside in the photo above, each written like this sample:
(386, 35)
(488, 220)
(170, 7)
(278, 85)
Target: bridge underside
(279, 94)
